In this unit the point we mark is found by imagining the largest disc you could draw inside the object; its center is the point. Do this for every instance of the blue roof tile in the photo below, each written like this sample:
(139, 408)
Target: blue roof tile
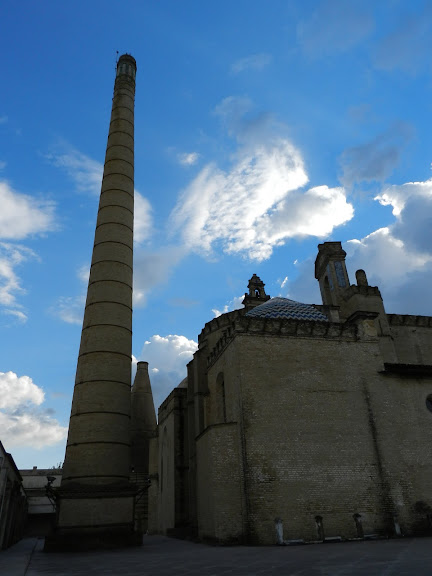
(286, 308)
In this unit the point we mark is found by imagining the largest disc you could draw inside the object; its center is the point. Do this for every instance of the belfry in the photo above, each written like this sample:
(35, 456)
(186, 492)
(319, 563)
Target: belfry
(95, 504)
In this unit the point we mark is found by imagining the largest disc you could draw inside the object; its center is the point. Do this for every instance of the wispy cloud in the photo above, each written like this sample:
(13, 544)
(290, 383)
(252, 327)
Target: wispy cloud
(11, 257)
(375, 160)
(335, 26)
(87, 174)
(70, 309)
(3, 164)
(188, 158)
(235, 304)
(257, 203)
(3, 119)
(153, 268)
(253, 62)
(407, 47)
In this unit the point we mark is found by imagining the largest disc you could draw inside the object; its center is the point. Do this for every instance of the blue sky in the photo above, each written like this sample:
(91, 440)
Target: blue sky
(261, 130)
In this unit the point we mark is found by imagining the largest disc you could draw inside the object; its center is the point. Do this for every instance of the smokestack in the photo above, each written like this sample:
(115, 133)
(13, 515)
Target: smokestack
(95, 490)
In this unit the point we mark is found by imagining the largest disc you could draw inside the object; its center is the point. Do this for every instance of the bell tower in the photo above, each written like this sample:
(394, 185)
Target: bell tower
(256, 295)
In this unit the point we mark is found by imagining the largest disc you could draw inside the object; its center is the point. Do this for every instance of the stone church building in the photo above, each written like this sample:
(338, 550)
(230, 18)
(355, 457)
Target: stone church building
(313, 418)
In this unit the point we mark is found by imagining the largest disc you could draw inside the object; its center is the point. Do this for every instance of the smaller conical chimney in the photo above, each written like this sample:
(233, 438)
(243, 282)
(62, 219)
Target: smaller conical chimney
(143, 418)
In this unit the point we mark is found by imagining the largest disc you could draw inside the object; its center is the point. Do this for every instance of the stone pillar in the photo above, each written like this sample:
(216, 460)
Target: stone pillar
(96, 499)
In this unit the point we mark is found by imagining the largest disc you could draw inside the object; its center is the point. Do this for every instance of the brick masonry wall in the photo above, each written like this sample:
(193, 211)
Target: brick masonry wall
(219, 484)
(308, 446)
(403, 428)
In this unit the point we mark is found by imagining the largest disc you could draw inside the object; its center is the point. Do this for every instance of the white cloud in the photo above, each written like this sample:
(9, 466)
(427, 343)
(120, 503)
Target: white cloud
(335, 26)
(15, 391)
(235, 304)
(284, 282)
(253, 62)
(257, 203)
(398, 258)
(22, 215)
(384, 257)
(3, 119)
(397, 195)
(188, 158)
(169, 353)
(254, 206)
(31, 430)
(21, 422)
(167, 357)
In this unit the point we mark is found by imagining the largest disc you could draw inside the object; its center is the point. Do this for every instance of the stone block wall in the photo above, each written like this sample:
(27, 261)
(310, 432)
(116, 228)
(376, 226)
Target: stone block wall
(412, 337)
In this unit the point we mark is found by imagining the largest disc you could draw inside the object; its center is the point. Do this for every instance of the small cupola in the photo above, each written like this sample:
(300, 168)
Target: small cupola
(256, 295)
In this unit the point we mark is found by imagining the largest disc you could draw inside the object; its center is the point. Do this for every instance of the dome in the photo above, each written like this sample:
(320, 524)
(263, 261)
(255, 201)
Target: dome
(285, 308)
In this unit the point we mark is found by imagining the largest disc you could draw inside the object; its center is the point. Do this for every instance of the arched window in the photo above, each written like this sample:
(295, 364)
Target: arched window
(327, 291)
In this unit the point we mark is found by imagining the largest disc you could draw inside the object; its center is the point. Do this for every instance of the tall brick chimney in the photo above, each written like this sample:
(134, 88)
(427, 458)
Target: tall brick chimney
(96, 499)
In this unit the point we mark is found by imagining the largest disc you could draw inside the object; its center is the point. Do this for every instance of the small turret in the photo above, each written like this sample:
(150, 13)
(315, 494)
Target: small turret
(331, 272)
(256, 294)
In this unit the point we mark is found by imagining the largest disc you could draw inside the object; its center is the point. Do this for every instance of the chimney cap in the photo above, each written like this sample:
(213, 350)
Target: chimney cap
(127, 58)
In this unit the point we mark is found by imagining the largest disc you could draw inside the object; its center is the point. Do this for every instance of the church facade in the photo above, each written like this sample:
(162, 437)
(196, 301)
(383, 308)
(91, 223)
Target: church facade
(312, 419)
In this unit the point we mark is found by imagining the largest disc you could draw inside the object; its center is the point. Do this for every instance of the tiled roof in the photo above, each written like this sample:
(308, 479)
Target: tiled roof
(286, 308)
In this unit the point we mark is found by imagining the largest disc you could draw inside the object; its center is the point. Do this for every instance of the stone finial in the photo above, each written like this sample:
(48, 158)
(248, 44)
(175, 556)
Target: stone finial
(361, 278)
